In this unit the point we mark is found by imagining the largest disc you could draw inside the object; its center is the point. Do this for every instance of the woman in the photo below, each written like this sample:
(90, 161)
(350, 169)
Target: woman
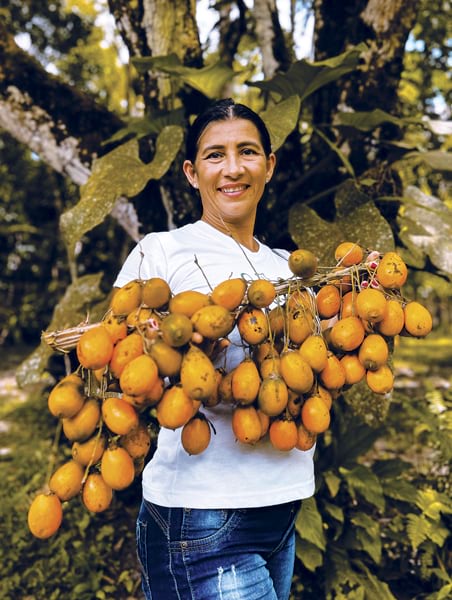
(219, 525)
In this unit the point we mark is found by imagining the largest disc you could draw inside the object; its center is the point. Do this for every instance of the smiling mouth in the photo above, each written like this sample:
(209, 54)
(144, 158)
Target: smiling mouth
(233, 189)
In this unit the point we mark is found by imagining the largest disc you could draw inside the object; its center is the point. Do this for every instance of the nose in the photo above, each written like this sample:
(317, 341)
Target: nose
(233, 166)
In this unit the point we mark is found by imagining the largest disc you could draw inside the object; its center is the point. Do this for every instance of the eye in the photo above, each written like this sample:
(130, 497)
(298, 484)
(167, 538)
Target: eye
(215, 155)
(249, 151)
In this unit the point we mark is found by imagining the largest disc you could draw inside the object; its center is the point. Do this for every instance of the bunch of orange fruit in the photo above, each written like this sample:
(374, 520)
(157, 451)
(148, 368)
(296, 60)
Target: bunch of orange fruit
(156, 354)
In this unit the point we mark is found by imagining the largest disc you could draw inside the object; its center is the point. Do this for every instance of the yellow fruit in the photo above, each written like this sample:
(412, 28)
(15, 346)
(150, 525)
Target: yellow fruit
(296, 372)
(225, 388)
(393, 320)
(269, 366)
(371, 305)
(354, 369)
(45, 515)
(188, 302)
(392, 272)
(348, 253)
(333, 375)
(127, 298)
(83, 424)
(119, 416)
(116, 327)
(303, 263)
(67, 398)
(418, 320)
(245, 382)
(306, 439)
(166, 357)
(277, 320)
(94, 348)
(139, 375)
(229, 293)
(253, 326)
(314, 351)
(89, 452)
(283, 434)
(300, 324)
(139, 316)
(195, 436)
(380, 381)
(197, 374)
(261, 293)
(137, 442)
(96, 494)
(347, 334)
(176, 329)
(246, 424)
(117, 468)
(273, 396)
(125, 351)
(66, 481)
(156, 292)
(213, 321)
(328, 301)
(175, 408)
(373, 352)
(315, 415)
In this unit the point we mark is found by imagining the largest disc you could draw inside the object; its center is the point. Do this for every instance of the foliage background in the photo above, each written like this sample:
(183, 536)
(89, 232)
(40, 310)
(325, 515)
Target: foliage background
(362, 132)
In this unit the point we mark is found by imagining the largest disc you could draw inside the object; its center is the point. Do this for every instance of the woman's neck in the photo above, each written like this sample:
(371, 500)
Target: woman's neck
(243, 234)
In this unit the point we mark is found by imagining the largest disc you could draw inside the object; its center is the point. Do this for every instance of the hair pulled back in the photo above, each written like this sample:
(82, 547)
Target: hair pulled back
(224, 110)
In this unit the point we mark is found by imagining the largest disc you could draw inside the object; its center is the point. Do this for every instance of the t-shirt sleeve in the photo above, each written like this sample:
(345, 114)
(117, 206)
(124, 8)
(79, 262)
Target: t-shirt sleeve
(146, 260)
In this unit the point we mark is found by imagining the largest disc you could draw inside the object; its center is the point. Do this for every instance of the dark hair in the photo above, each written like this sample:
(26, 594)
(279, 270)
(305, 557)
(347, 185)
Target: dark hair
(223, 110)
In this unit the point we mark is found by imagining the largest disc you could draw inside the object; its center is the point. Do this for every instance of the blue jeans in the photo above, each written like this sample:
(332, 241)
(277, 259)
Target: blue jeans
(203, 554)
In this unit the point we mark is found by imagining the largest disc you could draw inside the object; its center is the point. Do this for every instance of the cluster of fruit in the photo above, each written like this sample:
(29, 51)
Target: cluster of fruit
(304, 339)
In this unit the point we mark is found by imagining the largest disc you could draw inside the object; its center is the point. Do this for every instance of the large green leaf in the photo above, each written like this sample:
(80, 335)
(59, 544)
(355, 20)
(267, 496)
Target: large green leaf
(208, 80)
(152, 124)
(368, 120)
(363, 481)
(308, 554)
(357, 219)
(304, 77)
(374, 587)
(281, 119)
(118, 173)
(436, 159)
(368, 536)
(309, 524)
(72, 309)
(433, 235)
(399, 489)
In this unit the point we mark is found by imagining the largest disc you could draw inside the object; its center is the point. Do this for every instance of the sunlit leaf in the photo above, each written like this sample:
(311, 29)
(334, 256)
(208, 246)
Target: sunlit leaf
(435, 238)
(118, 173)
(368, 120)
(368, 535)
(305, 77)
(362, 480)
(333, 482)
(436, 159)
(308, 554)
(309, 524)
(281, 119)
(399, 489)
(357, 219)
(208, 80)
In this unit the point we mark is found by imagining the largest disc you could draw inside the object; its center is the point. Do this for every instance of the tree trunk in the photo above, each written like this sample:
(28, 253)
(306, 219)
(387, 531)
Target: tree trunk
(62, 125)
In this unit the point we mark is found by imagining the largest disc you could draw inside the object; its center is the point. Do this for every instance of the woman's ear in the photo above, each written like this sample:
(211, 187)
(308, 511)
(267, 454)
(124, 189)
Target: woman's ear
(271, 162)
(190, 173)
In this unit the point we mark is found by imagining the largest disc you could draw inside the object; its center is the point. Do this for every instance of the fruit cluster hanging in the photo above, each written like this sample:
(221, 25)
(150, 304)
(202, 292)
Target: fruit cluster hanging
(304, 339)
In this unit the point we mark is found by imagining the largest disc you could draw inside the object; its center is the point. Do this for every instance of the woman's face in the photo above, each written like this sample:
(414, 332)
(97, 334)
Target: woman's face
(230, 171)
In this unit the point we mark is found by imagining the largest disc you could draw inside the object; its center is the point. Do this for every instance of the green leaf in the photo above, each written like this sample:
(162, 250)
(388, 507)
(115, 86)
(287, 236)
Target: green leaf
(209, 80)
(436, 159)
(368, 120)
(118, 173)
(334, 511)
(309, 524)
(417, 529)
(308, 554)
(435, 238)
(399, 489)
(368, 535)
(333, 482)
(304, 77)
(347, 164)
(152, 124)
(374, 587)
(357, 219)
(281, 119)
(362, 480)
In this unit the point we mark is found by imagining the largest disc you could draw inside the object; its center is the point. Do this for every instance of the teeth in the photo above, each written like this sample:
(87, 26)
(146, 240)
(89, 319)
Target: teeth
(238, 188)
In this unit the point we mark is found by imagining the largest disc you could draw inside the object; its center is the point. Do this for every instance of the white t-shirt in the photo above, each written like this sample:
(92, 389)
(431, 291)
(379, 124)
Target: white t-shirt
(228, 474)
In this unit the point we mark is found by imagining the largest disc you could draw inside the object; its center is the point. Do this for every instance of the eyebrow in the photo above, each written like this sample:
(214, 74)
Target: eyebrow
(222, 146)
